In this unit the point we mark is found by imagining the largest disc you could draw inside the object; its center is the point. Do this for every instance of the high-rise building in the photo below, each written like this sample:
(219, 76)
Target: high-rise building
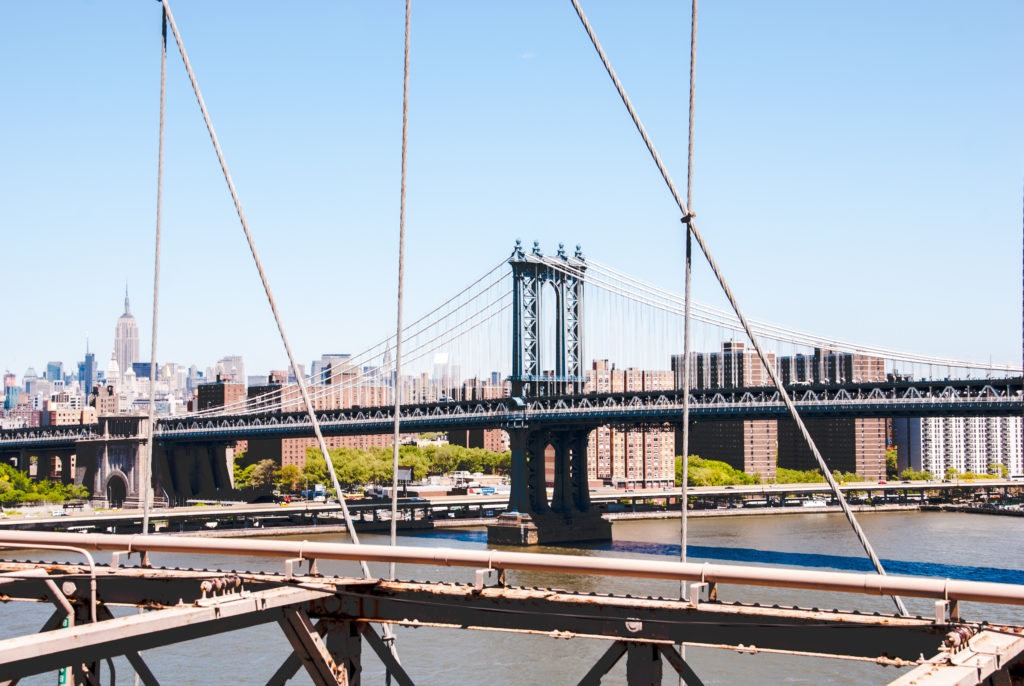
(828, 366)
(981, 445)
(231, 368)
(126, 338)
(749, 445)
(847, 444)
(630, 457)
(221, 393)
(54, 371)
(736, 366)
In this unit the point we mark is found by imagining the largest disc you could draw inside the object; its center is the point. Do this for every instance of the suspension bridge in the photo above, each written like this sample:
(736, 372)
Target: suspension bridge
(513, 345)
(521, 350)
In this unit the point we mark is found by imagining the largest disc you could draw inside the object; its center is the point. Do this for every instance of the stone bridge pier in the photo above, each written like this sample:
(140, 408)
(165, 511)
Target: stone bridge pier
(56, 464)
(568, 516)
(110, 466)
(194, 470)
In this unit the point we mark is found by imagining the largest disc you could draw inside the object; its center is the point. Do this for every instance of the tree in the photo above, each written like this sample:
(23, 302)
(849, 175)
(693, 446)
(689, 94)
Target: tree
(263, 474)
(891, 463)
(243, 475)
(288, 478)
(909, 474)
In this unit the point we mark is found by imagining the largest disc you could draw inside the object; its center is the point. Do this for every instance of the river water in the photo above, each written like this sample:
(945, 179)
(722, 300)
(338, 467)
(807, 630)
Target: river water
(952, 545)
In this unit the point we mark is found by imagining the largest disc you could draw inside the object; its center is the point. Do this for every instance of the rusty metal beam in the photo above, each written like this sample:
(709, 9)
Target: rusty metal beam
(26, 655)
(604, 664)
(393, 666)
(293, 663)
(990, 657)
(310, 648)
(138, 664)
(544, 611)
(845, 582)
(643, 664)
(682, 667)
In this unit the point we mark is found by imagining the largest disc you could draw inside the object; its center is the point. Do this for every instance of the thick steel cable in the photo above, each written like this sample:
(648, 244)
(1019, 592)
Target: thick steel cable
(401, 275)
(445, 337)
(147, 463)
(735, 305)
(725, 319)
(367, 354)
(266, 284)
(687, 302)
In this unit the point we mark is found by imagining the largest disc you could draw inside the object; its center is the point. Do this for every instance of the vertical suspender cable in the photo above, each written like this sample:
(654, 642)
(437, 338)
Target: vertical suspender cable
(401, 275)
(300, 381)
(862, 537)
(686, 306)
(147, 463)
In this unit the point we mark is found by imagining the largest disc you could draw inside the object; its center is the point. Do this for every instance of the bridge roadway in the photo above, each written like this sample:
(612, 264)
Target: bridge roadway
(441, 506)
(988, 397)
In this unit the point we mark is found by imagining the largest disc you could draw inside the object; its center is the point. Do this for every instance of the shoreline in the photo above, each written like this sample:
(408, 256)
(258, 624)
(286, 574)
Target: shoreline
(425, 526)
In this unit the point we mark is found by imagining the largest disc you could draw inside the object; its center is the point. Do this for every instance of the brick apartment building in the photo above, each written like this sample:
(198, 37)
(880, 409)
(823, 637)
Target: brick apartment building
(630, 457)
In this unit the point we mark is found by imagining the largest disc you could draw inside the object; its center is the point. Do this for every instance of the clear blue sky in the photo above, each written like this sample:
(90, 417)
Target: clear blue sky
(859, 166)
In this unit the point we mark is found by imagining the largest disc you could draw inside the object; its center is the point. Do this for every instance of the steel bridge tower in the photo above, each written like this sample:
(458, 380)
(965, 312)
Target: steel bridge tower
(568, 516)
(530, 273)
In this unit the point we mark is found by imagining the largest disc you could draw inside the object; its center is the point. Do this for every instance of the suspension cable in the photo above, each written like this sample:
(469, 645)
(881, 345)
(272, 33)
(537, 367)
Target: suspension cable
(687, 305)
(266, 284)
(401, 275)
(692, 228)
(147, 462)
(368, 353)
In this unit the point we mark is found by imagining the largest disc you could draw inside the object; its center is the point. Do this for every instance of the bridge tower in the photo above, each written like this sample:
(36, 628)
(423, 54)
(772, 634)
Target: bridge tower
(530, 273)
(531, 518)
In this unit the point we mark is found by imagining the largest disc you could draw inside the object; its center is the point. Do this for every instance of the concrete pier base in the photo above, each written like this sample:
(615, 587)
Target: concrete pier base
(514, 528)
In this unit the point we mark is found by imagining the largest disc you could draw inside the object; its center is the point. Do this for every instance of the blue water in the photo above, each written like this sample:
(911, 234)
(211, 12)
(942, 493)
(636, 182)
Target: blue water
(777, 557)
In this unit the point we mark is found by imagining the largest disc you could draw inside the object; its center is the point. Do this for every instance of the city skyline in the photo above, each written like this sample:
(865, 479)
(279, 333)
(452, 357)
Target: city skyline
(843, 128)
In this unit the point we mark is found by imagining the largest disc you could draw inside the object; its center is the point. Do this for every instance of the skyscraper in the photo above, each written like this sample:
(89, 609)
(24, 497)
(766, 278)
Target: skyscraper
(126, 338)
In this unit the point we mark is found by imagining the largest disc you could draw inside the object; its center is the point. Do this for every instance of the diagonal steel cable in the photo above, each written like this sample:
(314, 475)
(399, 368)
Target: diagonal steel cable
(266, 284)
(692, 226)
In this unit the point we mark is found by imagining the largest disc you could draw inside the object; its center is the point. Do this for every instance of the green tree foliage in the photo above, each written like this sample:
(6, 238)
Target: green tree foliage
(262, 475)
(359, 467)
(288, 478)
(701, 472)
(909, 474)
(891, 467)
(16, 487)
(811, 476)
(243, 475)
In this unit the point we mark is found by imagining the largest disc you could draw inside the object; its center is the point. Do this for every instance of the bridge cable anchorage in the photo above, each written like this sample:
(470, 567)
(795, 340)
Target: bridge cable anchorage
(693, 229)
(147, 462)
(299, 378)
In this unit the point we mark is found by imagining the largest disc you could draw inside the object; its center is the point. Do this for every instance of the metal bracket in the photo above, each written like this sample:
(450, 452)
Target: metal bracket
(290, 565)
(491, 574)
(947, 611)
(115, 558)
(703, 592)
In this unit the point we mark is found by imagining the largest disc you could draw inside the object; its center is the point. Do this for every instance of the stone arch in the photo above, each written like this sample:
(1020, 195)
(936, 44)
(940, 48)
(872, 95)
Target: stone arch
(116, 488)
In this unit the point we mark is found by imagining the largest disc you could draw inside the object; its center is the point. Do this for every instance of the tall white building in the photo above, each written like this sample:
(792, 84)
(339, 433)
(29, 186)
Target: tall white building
(126, 338)
(982, 445)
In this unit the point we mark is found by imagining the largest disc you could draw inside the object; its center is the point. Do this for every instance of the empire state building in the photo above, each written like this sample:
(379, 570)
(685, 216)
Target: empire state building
(126, 338)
